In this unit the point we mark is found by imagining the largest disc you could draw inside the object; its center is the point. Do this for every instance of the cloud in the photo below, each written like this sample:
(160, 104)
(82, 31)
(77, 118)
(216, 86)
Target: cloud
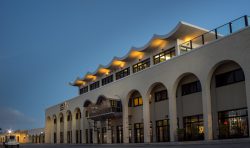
(14, 119)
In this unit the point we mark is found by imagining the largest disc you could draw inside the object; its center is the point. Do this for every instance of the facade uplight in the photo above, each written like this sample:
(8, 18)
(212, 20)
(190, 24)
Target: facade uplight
(119, 63)
(159, 43)
(92, 77)
(137, 54)
(104, 71)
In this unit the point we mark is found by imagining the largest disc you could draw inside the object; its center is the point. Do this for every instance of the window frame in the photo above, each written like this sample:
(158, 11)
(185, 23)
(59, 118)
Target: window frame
(190, 88)
(162, 55)
(223, 79)
(122, 73)
(141, 65)
(161, 94)
(95, 85)
(107, 80)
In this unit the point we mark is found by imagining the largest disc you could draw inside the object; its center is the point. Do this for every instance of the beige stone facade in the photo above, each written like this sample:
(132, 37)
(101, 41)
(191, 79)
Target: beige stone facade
(25, 136)
(190, 84)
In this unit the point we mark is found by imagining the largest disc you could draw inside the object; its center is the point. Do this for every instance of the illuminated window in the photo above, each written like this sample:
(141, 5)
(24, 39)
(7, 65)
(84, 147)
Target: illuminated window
(141, 65)
(162, 130)
(122, 73)
(194, 129)
(233, 123)
(137, 101)
(140, 101)
(165, 55)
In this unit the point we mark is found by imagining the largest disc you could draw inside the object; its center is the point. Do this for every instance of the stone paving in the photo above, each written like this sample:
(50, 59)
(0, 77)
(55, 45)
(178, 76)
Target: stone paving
(235, 143)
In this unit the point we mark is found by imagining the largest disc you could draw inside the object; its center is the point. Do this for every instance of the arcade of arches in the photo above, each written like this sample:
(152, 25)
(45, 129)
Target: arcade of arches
(191, 110)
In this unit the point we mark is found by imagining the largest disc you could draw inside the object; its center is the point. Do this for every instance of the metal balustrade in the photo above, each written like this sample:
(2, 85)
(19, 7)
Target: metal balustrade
(104, 111)
(215, 34)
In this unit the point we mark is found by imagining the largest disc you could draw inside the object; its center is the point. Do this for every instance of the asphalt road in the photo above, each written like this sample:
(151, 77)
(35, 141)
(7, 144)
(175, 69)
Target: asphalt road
(213, 144)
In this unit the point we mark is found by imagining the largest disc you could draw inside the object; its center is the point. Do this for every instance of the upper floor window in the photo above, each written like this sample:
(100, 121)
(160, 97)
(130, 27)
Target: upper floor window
(141, 65)
(107, 80)
(136, 101)
(84, 90)
(165, 55)
(78, 115)
(86, 114)
(122, 73)
(69, 118)
(54, 121)
(229, 77)
(94, 85)
(161, 95)
(190, 88)
(61, 119)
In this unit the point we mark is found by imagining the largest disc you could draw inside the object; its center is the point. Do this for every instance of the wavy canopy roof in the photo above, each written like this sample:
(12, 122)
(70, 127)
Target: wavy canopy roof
(182, 31)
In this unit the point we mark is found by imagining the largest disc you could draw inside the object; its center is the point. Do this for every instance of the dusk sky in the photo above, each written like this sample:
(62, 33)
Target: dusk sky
(45, 44)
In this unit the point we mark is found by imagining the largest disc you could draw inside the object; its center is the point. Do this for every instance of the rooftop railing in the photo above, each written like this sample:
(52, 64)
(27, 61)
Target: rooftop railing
(215, 34)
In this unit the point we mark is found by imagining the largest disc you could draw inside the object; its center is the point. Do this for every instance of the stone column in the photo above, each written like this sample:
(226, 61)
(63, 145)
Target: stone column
(125, 122)
(247, 85)
(65, 129)
(82, 127)
(146, 119)
(58, 125)
(52, 132)
(108, 127)
(172, 115)
(73, 128)
(207, 110)
(95, 141)
(177, 47)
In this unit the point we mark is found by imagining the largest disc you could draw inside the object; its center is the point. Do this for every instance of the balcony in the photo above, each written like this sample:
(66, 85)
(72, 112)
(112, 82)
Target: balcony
(105, 108)
(105, 113)
(215, 34)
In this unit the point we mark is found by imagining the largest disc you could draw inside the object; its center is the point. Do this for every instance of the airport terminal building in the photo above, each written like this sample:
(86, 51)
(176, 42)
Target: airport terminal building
(190, 84)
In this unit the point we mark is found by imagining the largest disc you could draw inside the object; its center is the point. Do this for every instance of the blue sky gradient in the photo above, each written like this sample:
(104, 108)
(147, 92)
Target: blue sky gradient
(45, 44)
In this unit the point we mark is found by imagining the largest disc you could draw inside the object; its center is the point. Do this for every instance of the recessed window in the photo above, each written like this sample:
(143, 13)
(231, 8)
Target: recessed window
(78, 115)
(161, 95)
(165, 55)
(84, 90)
(233, 123)
(107, 80)
(94, 85)
(69, 118)
(162, 130)
(190, 88)
(141, 65)
(134, 102)
(122, 73)
(229, 77)
(61, 119)
(86, 113)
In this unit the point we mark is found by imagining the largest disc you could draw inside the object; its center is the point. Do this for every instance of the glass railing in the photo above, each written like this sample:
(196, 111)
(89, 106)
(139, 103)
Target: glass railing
(215, 34)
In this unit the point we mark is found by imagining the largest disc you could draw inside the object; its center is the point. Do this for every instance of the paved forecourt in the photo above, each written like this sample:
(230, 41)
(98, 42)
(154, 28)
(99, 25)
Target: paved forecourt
(232, 143)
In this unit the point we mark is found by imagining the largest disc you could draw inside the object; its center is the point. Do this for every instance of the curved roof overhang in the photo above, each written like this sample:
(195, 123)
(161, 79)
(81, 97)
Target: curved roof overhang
(182, 30)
